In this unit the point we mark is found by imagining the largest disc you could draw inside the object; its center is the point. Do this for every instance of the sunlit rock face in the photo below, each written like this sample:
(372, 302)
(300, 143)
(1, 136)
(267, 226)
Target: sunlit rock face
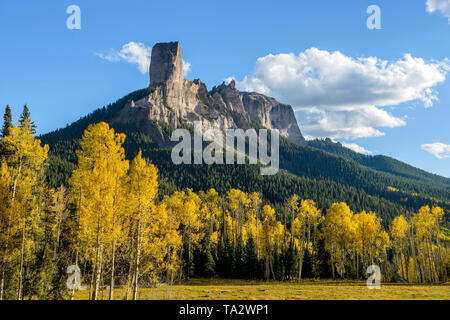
(179, 102)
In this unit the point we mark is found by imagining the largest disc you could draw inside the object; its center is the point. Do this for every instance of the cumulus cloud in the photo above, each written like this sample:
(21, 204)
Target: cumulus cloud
(439, 5)
(343, 97)
(356, 148)
(438, 149)
(135, 53)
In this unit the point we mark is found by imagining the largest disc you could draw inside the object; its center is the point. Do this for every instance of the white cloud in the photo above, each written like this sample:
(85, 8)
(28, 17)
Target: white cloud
(340, 96)
(136, 53)
(439, 5)
(356, 148)
(186, 68)
(438, 149)
(132, 52)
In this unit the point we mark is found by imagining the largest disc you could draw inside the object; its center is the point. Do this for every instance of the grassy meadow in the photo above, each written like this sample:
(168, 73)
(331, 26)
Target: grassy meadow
(224, 289)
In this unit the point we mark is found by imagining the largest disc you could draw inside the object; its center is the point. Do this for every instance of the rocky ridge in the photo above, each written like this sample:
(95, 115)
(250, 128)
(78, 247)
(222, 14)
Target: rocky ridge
(178, 102)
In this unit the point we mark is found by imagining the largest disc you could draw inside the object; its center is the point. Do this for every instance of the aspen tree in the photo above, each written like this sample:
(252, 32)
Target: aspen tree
(97, 185)
(8, 226)
(271, 234)
(25, 159)
(427, 234)
(304, 227)
(337, 233)
(399, 234)
(141, 193)
(186, 206)
(238, 202)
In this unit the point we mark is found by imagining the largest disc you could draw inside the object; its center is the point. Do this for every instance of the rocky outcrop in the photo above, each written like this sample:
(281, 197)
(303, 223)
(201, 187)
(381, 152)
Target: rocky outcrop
(177, 101)
(272, 114)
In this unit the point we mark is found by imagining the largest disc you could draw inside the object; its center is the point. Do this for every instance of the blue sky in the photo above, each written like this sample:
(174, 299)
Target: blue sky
(60, 74)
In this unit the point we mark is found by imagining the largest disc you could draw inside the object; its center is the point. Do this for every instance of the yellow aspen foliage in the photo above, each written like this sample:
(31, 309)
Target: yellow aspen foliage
(271, 233)
(8, 226)
(304, 226)
(337, 231)
(430, 256)
(370, 238)
(26, 161)
(238, 204)
(211, 211)
(97, 186)
(142, 219)
(400, 230)
(186, 207)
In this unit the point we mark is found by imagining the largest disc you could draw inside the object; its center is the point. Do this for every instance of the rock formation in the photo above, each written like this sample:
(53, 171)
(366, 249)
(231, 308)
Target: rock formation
(177, 101)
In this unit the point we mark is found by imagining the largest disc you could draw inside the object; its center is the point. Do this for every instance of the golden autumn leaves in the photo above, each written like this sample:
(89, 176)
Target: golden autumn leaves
(118, 214)
(112, 225)
(21, 186)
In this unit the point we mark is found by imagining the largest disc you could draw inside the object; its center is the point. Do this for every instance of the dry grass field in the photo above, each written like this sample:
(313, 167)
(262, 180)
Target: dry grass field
(220, 289)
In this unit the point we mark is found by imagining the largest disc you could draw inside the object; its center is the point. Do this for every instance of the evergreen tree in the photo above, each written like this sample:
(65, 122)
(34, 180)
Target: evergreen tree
(7, 121)
(239, 263)
(25, 119)
(251, 260)
(208, 261)
(278, 265)
(290, 262)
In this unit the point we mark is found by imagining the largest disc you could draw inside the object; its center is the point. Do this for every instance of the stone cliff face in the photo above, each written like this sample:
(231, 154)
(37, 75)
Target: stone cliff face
(177, 101)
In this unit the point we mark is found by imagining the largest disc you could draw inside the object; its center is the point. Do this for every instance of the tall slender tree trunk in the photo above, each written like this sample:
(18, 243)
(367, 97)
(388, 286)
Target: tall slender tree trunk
(73, 290)
(300, 261)
(98, 273)
(357, 266)
(111, 283)
(22, 257)
(2, 285)
(98, 261)
(136, 267)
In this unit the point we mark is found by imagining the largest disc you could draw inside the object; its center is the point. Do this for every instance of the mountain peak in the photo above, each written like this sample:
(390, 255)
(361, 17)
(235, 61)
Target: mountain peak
(177, 101)
(166, 63)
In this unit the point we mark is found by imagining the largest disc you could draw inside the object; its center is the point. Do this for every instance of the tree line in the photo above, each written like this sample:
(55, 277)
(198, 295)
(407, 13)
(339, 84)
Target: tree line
(111, 223)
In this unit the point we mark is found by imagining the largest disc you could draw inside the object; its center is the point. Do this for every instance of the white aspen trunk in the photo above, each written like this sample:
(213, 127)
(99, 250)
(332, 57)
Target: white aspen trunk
(98, 259)
(22, 257)
(136, 270)
(73, 290)
(2, 285)
(111, 284)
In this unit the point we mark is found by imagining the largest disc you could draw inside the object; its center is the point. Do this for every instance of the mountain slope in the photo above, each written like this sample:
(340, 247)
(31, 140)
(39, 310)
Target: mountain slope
(308, 171)
(381, 163)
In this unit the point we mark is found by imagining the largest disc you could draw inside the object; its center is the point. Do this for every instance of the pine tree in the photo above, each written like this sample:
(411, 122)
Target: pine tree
(239, 264)
(207, 262)
(251, 260)
(7, 121)
(25, 120)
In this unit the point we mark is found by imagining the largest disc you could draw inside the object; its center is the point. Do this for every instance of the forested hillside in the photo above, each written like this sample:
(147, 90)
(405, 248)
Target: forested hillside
(316, 174)
(381, 163)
